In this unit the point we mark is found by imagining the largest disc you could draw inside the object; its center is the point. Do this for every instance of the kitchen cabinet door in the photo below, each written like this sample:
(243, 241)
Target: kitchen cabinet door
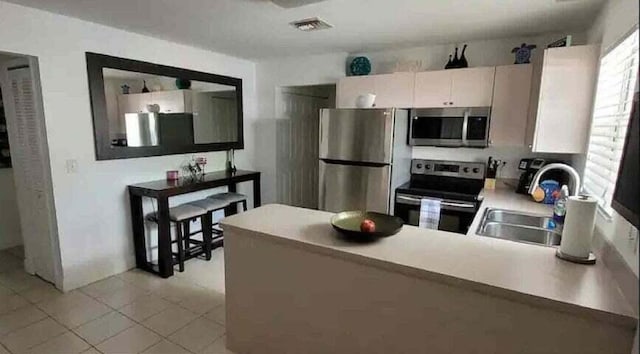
(175, 101)
(132, 103)
(351, 87)
(394, 90)
(472, 87)
(510, 108)
(432, 89)
(565, 100)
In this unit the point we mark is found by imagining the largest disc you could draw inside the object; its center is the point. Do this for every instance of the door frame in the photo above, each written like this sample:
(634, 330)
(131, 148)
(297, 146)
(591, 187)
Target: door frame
(52, 226)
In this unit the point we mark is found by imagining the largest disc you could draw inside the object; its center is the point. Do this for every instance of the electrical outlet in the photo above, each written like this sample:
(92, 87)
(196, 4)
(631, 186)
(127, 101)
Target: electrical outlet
(71, 166)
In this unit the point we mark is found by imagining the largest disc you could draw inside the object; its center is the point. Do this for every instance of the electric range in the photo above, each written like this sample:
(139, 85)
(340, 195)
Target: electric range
(455, 184)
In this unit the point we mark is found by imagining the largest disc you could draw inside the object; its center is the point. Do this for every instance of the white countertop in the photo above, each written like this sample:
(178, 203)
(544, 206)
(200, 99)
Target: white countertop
(517, 271)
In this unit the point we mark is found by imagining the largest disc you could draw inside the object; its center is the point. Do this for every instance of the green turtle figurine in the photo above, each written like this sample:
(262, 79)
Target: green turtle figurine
(523, 53)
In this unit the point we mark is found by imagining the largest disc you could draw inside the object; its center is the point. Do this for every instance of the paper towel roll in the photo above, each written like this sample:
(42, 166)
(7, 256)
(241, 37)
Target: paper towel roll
(578, 226)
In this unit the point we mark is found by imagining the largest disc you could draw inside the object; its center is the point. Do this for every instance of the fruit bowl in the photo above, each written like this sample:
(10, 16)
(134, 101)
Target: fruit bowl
(348, 223)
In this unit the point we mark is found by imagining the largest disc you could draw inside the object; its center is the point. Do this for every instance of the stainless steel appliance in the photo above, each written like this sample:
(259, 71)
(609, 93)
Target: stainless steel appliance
(456, 184)
(142, 129)
(531, 166)
(450, 127)
(154, 129)
(363, 157)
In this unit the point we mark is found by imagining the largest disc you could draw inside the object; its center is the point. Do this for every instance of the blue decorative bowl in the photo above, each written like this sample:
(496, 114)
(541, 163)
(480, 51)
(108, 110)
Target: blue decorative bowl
(360, 66)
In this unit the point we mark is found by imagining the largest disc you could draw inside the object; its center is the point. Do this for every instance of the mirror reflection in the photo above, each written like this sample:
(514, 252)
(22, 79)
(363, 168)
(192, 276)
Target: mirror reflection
(151, 110)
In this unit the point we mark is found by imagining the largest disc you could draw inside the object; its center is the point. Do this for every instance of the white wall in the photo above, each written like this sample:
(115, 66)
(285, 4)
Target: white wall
(617, 18)
(479, 53)
(271, 76)
(92, 205)
(322, 69)
(10, 235)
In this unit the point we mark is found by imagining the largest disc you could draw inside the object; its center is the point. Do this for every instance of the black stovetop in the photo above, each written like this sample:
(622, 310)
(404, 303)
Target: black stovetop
(443, 187)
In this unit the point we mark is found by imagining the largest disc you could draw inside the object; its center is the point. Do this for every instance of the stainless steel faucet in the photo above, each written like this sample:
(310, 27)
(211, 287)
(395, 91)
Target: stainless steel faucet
(560, 166)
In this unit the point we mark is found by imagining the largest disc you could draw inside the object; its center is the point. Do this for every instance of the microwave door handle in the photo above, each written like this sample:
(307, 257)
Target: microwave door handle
(465, 126)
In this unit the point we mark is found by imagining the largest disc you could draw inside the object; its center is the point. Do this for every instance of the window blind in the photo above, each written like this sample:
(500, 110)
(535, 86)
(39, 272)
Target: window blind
(611, 113)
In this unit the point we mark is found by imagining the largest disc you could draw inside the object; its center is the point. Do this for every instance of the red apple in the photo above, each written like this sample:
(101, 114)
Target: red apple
(367, 225)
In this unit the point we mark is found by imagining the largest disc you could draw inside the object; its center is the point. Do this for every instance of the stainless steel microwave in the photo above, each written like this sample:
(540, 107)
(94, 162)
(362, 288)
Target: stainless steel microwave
(450, 127)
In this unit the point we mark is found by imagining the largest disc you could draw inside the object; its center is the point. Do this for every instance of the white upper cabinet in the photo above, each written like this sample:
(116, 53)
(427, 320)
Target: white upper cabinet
(391, 90)
(394, 90)
(564, 100)
(174, 101)
(350, 88)
(470, 87)
(432, 89)
(509, 112)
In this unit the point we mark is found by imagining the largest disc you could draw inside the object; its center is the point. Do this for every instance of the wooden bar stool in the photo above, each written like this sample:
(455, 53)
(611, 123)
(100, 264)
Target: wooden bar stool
(181, 215)
(211, 206)
(232, 199)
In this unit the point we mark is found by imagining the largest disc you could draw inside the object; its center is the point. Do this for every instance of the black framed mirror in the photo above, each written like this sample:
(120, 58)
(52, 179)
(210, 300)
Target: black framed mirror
(142, 109)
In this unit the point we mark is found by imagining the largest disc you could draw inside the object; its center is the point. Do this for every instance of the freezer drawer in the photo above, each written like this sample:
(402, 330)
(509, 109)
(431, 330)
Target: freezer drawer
(364, 135)
(352, 187)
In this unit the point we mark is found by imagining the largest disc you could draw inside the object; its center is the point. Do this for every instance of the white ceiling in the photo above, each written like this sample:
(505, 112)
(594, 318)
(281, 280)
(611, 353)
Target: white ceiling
(257, 29)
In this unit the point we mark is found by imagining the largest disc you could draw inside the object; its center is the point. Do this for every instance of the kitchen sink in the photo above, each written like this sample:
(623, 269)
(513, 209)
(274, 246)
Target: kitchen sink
(519, 227)
(510, 217)
(521, 234)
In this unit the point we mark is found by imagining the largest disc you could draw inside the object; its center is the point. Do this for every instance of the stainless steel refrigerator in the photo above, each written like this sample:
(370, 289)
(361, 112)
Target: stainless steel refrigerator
(364, 156)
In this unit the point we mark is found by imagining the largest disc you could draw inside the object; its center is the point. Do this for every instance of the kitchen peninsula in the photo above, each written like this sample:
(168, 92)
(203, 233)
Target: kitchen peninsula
(293, 286)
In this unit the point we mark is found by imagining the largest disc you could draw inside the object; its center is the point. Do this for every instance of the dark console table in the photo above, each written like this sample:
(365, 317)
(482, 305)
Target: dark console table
(162, 190)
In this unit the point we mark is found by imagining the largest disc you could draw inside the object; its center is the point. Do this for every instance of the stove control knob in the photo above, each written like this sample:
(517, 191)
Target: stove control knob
(476, 170)
(465, 170)
(419, 166)
(427, 167)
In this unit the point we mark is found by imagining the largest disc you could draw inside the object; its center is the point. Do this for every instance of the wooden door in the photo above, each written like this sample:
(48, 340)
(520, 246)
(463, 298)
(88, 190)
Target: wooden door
(297, 146)
(432, 89)
(510, 106)
(566, 99)
(472, 87)
(349, 88)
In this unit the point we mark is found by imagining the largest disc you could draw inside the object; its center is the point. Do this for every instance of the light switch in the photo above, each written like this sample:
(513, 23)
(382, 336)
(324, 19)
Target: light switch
(71, 166)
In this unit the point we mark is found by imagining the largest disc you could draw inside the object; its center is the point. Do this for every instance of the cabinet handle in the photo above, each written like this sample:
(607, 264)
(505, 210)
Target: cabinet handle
(450, 103)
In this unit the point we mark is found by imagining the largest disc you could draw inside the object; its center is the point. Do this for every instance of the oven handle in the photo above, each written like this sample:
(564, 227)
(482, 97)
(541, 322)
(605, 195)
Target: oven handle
(416, 201)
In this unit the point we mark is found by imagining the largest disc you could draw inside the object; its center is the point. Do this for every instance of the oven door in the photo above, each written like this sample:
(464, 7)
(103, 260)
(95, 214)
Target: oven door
(455, 216)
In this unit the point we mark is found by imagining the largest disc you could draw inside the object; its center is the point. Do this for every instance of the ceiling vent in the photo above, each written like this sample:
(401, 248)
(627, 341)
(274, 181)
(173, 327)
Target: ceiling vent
(311, 24)
(289, 4)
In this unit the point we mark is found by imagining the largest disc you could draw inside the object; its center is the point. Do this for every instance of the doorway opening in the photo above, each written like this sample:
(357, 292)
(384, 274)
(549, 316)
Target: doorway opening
(28, 233)
(297, 134)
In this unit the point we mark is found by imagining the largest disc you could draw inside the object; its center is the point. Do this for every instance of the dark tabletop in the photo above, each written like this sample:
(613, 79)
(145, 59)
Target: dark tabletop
(187, 183)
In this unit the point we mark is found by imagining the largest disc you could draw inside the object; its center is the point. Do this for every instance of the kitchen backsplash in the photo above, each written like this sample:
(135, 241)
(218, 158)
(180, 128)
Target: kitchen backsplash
(511, 155)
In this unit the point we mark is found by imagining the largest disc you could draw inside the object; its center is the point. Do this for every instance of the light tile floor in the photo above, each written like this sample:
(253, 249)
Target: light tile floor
(132, 312)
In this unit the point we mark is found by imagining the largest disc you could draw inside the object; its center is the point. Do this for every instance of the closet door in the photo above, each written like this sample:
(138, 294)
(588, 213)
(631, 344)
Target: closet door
(25, 122)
